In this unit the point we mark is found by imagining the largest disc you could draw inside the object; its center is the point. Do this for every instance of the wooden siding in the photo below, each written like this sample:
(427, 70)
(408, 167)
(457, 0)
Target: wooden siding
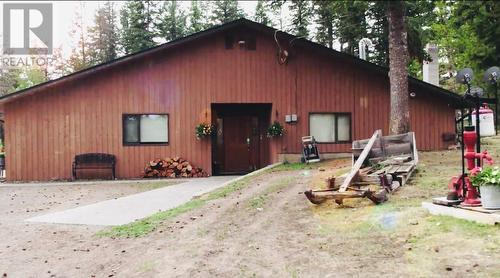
(45, 131)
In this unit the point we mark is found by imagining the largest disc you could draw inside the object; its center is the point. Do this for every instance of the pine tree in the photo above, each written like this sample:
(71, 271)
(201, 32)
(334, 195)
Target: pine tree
(276, 7)
(196, 17)
(172, 22)
(379, 32)
(301, 15)
(350, 24)
(137, 20)
(103, 35)
(420, 17)
(325, 19)
(398, 68)
(31, 76)
(58, 66)
(261, 11)
(483, 17)
(79, 58)
(225, 11)
(9, 80)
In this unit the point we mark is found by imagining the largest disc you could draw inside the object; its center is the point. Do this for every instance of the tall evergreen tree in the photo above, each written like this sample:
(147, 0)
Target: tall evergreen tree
(276, 7)
(459, 45)
(103, 35)
(301, 11)
(350, 24)
(261, 13)
(484, 19)
(80, 56)
(172, 21)
(58, 66)
(324, 20)
(9, 80)
(196, 17)
(379, 32)
(137, 20)
(224, 11)
(398, 68)
(420, 16)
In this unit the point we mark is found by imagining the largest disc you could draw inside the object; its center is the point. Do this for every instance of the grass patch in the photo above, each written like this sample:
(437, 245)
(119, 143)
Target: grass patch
(294, 166)
(442, 223)
(154, 185)
(260, 200)
(149, 224)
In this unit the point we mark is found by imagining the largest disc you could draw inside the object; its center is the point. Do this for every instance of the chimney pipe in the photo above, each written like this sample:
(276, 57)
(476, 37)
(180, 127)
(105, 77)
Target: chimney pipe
(431, 68)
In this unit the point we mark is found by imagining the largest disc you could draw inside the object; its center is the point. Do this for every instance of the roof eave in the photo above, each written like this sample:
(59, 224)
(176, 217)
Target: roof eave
(455, 99)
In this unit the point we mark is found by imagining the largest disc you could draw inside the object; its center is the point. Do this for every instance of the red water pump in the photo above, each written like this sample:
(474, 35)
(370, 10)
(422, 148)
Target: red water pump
(461, 187)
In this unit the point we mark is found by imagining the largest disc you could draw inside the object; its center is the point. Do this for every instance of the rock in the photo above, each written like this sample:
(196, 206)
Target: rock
(260, 209)
(448, 268)
(321, 169)
(193, 218)
(436, 249)
(413, 222)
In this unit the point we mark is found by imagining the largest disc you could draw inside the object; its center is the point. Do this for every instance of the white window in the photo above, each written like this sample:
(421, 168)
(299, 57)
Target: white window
(145, 129)
(330, 127)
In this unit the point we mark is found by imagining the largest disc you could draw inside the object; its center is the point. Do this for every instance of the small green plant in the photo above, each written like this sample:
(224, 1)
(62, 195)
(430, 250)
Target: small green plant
(275, 130)
(203, 130)
(2, 148)
(487, 176)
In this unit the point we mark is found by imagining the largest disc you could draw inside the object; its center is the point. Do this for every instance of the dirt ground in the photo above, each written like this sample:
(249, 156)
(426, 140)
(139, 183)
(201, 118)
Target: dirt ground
(266, 229)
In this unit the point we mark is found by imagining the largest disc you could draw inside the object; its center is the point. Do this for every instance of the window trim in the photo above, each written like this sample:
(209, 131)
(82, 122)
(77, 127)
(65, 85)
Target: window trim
(125, 143)
(336, 126)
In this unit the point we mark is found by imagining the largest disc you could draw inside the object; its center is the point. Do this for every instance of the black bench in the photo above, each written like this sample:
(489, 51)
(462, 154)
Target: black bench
(94, 161)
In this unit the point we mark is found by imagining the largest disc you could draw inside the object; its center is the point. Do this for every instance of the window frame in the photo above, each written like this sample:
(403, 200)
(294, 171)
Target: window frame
(336, 127)
(125, 143)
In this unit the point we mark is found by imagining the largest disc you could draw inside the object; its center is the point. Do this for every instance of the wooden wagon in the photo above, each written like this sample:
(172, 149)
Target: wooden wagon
(381, 165)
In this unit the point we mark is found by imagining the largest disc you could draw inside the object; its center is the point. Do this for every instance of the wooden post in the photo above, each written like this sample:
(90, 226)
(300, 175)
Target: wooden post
(359, 162)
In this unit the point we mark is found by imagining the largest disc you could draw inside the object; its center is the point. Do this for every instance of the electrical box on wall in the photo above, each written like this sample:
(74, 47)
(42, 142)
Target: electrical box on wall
(291, 118)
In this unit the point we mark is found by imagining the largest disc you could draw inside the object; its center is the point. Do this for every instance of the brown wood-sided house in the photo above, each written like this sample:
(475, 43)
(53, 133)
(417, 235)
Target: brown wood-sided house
(235, 76)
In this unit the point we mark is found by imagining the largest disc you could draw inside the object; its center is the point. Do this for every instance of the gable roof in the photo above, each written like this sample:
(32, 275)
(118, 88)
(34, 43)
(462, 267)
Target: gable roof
(451, 97)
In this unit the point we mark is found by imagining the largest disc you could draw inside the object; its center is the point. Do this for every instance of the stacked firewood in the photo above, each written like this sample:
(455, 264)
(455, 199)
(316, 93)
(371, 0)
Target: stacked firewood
(176, 167)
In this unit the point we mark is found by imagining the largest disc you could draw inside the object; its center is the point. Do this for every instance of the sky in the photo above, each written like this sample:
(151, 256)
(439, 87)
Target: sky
(64, 14)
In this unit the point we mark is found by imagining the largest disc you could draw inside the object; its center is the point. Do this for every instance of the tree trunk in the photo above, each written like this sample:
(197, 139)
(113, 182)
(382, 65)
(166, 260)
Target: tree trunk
(398, 68)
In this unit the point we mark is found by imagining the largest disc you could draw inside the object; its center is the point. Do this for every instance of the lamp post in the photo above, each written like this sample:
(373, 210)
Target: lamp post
(465, 77)
(491, 76)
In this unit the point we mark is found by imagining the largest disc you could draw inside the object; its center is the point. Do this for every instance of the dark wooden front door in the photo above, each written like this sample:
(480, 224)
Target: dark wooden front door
(241, 144)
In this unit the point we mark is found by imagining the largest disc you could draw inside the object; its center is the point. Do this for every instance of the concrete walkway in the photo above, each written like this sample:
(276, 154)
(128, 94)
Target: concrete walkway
(130, 208)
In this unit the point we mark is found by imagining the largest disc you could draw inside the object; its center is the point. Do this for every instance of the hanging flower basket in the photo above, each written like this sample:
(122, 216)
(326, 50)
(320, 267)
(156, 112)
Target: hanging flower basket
(275, 130)
(203, 130)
